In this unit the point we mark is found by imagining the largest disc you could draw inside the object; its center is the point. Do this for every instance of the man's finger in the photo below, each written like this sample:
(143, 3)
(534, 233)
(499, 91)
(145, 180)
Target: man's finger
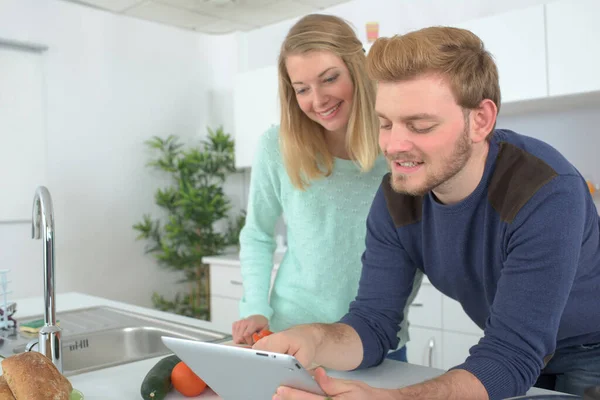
(273, 344)
(286, 393)
(329, 384)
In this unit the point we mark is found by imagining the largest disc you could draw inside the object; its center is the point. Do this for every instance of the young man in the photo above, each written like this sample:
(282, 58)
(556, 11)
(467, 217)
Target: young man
(501, 222)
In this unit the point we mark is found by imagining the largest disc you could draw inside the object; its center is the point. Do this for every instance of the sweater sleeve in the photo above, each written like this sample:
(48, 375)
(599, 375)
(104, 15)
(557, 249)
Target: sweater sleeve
(257, 242)
(386, 283)
(542, 252)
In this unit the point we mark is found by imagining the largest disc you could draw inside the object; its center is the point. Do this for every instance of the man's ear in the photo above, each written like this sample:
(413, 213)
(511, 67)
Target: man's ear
(482, 120)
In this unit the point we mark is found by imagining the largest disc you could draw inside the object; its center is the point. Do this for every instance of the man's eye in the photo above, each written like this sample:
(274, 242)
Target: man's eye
(421, 129)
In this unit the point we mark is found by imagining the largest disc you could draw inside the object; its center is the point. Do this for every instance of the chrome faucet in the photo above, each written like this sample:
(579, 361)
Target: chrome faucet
(42, 224)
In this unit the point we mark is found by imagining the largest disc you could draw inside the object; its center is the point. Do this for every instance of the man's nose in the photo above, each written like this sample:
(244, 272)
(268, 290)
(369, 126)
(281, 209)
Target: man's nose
(398, 141)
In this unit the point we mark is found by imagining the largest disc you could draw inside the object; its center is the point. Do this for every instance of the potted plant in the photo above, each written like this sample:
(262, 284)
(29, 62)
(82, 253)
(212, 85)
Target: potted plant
(194, 204)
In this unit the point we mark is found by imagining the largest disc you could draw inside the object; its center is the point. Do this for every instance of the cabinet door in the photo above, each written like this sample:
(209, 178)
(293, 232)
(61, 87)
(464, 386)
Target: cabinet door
(455, 319)
(226, 281)
(426, 309)
(424, 347)
(255, 110)
(223, 313)
(456, 348)
(516, 40)
(573, 55)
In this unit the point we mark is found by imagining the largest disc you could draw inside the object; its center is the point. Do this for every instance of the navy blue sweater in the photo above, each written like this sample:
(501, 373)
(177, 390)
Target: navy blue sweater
(521, 254)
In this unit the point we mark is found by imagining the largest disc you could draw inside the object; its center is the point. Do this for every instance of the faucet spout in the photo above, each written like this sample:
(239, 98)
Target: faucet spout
(42, 227)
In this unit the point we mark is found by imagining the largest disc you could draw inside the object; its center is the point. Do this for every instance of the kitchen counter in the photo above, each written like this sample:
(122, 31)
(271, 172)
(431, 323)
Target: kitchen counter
(123, 382)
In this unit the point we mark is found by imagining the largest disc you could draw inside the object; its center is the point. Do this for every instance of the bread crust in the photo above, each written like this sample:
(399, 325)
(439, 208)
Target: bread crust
(32, 376)
(5, 392)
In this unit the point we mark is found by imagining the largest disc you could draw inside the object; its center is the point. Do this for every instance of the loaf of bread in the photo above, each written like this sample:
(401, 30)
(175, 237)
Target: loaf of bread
(5, 393)
(32, 376)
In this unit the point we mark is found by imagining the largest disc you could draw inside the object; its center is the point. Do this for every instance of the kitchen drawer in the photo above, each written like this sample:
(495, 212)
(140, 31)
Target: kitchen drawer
(424, 347)
(455, 319)
(223, 313)
(426, 309)
(456, 347)
(226, 281)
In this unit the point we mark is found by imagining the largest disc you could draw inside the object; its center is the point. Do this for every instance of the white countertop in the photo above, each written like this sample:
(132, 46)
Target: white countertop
(123, 382)
(233, 259)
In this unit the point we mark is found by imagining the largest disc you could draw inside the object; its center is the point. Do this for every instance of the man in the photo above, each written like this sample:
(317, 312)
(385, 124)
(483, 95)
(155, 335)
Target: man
(501, 222)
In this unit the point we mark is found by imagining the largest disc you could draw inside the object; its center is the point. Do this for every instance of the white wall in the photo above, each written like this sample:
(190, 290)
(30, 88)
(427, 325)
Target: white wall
(571, 130)
(112, 82)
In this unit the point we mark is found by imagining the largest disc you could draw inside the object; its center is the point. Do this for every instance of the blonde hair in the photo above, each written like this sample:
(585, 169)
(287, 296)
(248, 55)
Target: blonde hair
(303, 144)
(457, 54)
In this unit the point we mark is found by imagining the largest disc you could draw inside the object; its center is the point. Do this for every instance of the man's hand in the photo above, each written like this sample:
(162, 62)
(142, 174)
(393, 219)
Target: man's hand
(335, 346)
(337, 389)
(243, 330)
(301, 342)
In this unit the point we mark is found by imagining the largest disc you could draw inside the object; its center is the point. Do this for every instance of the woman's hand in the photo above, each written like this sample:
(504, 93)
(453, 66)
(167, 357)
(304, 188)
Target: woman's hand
(243, 329)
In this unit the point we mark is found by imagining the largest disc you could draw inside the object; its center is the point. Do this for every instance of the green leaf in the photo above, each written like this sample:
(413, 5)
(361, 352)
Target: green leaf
(194, 204)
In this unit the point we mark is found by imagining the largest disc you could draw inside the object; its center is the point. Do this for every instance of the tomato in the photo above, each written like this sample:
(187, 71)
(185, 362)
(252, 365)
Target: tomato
(186, 381)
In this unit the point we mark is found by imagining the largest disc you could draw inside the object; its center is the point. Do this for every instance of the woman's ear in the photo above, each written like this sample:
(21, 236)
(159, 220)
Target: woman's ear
(483, 119)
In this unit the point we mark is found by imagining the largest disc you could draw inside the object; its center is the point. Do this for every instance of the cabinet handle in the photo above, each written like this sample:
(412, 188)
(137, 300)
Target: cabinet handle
(416, 305)
(431, 347)
(237, 283)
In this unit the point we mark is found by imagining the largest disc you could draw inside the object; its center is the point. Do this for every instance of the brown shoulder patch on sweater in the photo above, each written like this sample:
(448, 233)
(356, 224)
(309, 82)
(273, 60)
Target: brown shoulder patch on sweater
(404, 209)
(516, 179)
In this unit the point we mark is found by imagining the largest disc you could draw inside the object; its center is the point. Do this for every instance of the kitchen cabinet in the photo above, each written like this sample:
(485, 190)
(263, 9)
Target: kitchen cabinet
(441, 333)
(256, 109)
(456, 347)
(426, 309)
(573, 55)
(224, 312)
(425, 347)
(516, 40)
(226, 289)
(455, 319)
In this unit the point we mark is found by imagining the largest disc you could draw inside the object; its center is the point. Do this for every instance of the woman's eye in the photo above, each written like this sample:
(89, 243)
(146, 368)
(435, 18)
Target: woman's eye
(331, 79)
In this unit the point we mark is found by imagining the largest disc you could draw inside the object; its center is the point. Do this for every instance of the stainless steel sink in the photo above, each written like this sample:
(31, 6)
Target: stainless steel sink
(102, 337)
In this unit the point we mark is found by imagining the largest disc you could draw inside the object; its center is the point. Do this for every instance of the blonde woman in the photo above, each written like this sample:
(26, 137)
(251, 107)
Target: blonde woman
(320, 169)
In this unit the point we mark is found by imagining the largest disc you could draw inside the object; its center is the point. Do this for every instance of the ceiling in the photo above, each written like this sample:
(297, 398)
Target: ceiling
(212, 16)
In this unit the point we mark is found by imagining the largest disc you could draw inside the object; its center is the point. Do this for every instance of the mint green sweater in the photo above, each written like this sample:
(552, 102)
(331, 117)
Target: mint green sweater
(326, 225)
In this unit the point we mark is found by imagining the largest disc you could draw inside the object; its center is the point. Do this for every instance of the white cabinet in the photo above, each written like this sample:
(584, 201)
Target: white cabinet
(226, 290)
(426, 309)
(425, 347)
(456, 320)
(441, 333)
(516, 40)
(456, 347)
(255, 110)
(573, 51)
(224, 312)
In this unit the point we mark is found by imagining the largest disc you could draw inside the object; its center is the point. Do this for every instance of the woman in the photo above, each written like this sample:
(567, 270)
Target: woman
(320, 169)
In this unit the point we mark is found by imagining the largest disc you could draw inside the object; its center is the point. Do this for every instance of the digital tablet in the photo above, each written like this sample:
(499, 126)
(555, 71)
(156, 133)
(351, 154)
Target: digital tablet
(238, 373)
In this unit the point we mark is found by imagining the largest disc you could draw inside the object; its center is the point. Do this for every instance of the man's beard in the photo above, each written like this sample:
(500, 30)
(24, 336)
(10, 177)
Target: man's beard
(448, 168)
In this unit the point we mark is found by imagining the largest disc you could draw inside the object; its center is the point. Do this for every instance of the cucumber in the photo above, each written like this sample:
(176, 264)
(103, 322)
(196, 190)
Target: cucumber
(157, 382)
